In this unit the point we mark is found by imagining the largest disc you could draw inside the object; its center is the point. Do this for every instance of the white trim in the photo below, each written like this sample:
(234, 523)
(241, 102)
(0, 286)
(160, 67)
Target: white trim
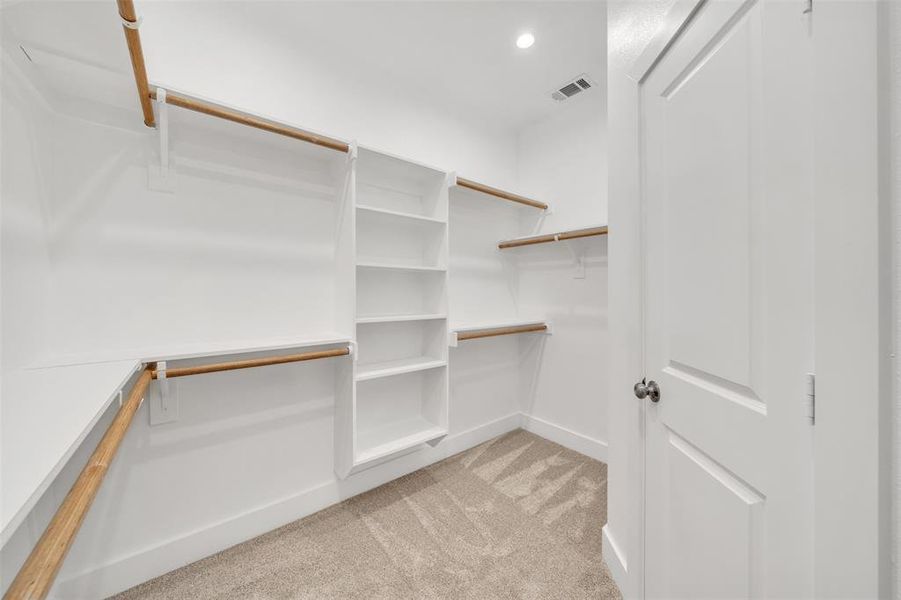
(145, 564)
(848, 291)
(675, 21)
(590, 447)
(615, 561)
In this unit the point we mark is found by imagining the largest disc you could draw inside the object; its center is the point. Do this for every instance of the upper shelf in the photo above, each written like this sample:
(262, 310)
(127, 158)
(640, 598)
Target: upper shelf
(45, 415)
(497, 193)
(554, 237)
(150, 354)
(399, 214)
(459, 333)
(398, 318)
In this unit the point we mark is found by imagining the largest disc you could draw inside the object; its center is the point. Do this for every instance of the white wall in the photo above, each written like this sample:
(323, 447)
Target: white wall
(563, 160)
(243, 249)
(892, 75)
(630, 25)
(316, 94)
(26, 122)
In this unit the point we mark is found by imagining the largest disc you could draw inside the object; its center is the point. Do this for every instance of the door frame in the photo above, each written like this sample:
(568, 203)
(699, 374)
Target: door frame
(850, 293)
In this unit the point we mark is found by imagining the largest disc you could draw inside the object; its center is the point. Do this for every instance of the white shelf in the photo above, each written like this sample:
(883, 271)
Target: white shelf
(557, 233)
(397, 367)
(399, 267)
(400, 214)
(397, 318)
(44, 416)
(399, 397)
(202, 349)
(496, 324)
(397, 437)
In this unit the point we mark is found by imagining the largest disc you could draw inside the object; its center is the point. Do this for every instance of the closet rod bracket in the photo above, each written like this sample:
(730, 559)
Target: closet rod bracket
(162, 178)
(163, 397)
(578, 257)
(136, 24)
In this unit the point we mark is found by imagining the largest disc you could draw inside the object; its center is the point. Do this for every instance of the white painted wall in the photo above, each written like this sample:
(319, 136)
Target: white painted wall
(244, 249)
(26, 122)
(563, 160)
(316, 95)
(630, 25)
(892, 92)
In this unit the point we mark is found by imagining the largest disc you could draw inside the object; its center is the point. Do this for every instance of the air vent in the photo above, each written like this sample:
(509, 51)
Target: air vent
(575, 86)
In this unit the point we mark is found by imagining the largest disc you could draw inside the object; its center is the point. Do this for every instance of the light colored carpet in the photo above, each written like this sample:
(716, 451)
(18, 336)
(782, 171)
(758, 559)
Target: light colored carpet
(516, 517)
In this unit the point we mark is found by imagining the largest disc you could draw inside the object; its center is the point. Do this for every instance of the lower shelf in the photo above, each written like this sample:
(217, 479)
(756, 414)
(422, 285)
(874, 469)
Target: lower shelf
(396, 437)
(397, 367)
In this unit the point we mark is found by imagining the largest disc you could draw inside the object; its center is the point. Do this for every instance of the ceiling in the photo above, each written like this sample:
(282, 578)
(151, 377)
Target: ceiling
(460, 56)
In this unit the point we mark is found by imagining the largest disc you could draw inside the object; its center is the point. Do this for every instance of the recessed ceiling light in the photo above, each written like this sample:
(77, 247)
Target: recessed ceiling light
(525, 41)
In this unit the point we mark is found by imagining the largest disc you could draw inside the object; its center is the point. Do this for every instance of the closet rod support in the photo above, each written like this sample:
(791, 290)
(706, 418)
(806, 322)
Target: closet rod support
(162, 178)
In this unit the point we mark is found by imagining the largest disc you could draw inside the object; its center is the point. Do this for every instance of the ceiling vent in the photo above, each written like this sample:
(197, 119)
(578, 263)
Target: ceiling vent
(572, 87)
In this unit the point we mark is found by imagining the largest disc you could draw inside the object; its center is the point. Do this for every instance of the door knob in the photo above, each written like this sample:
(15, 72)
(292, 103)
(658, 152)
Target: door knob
(647, 389)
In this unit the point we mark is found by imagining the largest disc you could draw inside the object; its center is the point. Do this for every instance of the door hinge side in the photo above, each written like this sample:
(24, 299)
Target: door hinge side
(808, 9)
(810, 397)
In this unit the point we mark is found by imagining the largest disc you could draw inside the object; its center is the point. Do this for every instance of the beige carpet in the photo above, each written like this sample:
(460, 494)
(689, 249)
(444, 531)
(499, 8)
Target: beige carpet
(517, 517)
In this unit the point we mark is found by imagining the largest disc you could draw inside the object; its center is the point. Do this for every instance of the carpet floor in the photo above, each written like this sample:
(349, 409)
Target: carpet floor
(516, 517)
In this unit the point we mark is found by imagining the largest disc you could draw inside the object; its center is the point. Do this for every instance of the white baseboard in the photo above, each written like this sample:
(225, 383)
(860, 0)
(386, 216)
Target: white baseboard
(128, 571)
(567, 438)
(615, 561)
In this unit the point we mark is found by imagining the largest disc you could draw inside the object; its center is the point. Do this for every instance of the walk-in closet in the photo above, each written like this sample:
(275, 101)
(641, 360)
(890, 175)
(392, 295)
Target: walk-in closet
(450, 300)
(304, 299)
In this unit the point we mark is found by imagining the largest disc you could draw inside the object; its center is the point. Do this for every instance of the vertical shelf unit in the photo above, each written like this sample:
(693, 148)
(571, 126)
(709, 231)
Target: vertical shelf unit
(396, 397)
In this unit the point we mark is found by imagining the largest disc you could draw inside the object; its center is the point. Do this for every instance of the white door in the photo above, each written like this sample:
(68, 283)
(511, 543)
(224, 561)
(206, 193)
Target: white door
(727, 167)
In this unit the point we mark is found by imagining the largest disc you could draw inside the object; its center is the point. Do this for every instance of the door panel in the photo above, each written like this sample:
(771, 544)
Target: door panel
(703, 492)
(707, 158)
(720, 113)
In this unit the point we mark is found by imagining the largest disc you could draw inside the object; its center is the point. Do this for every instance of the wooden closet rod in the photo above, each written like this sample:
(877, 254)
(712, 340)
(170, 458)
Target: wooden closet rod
(483, 333)
(214, 110)
(485, 189)
(36, 576)
(253, 362)
(554, 237)
(130, 26)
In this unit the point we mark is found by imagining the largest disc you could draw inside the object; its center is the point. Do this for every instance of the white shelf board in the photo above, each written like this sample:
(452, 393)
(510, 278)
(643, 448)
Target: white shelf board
(399, 214)
(396, 437)
(496, 324)
(528, 237)
(397, 267)
(396, 318)
(462, 191)
(45, 414)
(202, 349)
(397, 367)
